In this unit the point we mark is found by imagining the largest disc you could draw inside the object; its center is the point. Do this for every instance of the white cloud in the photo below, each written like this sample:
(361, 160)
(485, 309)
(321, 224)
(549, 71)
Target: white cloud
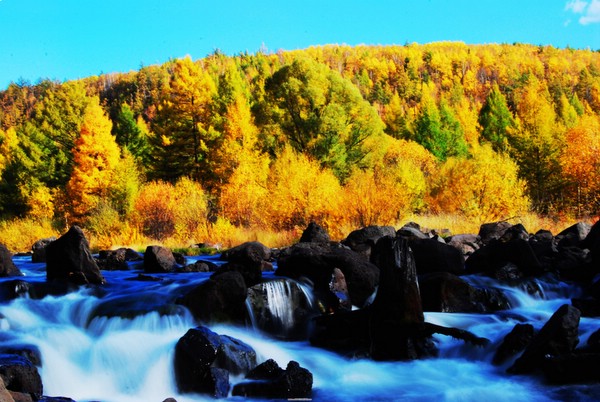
(577, 6)
(592, 14)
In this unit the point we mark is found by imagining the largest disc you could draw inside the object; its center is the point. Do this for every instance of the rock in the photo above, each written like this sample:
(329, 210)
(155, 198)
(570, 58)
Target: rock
(201, 266)
(339, 288)
(235, 356)
(20, 375)
(515, 232)
(267, 370)
(5, 395)
(557, 337)
(496, 254)
(447, 293)
(159, 259)
(7, 266)
(362, 240)
(249, 253)
(492, 231)
(38, 250)
(317, 261)
(514, 342)
(574, 235)
(68, 259)
(220, 299)
(216, 382)
(592, 243)
(315, 233)
(281, 308)
(465, 243)
(116, 260)
(180, 259)
(294, 382)
(195, 352)
(397, 306)
(412, 231)
(432, 256)
(29, 352)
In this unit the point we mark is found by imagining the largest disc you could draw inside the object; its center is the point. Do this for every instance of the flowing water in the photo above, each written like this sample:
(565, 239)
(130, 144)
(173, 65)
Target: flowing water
(91, 353)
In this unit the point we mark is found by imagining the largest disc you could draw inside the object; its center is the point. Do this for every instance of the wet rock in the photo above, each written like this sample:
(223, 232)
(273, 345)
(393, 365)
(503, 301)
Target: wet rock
(249, 259)
(68, 259)
(339, 288)
(314, 233)
(292, 383)
(492, 231)
(557, 337)
(7, 266)
(38, 250)
(159, 259)
(201, 266)
(216, 382)
(195, 352)
(465, 243)
(514, 342)
(116, 260)
(496, 254)
(12, 289)
(317, 261)
(235, 356)
(29, 352)
(362, 240)
(432, 256)
(447, 293)
(20, 375)
(281, 308)
(219, 299)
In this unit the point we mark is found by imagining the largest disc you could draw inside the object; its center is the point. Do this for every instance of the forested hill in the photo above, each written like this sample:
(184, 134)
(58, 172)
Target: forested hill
(365, 133)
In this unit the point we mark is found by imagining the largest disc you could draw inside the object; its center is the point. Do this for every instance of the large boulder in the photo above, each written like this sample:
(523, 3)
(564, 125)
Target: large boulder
(20, 375)
(250, 259)
(465, 243)
(514, 342)
(447, 293)
(235, 356)
(117, 260)
(362, 240)
(7, 266)
(219, 299)
(492, 231)
(314, 233)
(559, 336)
(497, 254)
(434, 256)
(68, 259)
(574, 235)
(158, 259)
(281, 308)
(38, 250)
(269, 381)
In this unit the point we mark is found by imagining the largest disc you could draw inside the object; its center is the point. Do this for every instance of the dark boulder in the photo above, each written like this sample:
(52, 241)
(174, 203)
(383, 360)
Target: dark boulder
(68, 259)
(515, 232)
(195, 352)
(117, 260)
(397, 306)
(317, 261)
(38, 250)
(572, 368)
(432, 256)
(7, 266)
(314, 233)
(201, 266)
(465, 243)
(216, 382)
(447, 293)
(29, 352)
(496, 254)
(158, 259)
(250, 253)
(339, 289)
(362, 240)
(219, 299)
(592, 243)
(20, 375)
(281, 308)
(492, 231)
(557, 337)
(235, 356)
(294, 382)
(514, 342)
(412, 231)
(574, 235)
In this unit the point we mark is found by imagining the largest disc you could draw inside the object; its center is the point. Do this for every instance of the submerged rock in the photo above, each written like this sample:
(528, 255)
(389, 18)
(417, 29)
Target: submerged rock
(20, 375)
(68, 259)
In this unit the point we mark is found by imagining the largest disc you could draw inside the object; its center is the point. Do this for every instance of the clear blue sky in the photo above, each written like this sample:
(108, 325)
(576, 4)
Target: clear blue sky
(67, 39)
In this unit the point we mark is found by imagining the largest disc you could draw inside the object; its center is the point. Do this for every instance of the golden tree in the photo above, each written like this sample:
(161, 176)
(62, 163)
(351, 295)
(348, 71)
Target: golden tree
(96, 156)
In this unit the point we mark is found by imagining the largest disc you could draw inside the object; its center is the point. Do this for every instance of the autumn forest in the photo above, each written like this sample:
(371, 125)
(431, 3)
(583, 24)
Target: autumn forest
(191, 151)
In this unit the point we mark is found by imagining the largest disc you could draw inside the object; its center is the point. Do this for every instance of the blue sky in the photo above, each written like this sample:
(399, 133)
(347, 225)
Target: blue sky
(68, 39)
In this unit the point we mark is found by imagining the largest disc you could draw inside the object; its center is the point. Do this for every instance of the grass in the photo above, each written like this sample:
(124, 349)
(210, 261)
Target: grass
(19, 235)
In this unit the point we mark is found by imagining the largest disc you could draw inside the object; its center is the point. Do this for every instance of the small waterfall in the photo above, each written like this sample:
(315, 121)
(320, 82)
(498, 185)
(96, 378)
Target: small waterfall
(280, 307)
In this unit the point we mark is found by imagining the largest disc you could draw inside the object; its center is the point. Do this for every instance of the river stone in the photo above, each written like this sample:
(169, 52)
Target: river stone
(514, 342)
(492, 231)
(158, 259)
(7, 266)
(235, 356)
(295, 382)
(362, 240)
(38, 250)
(314, 233)
(557, 337)
(20, 375)
(68, 259)
(195, 352)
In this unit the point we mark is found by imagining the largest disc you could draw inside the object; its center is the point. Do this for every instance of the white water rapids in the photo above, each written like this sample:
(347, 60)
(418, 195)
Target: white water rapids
(88, 357)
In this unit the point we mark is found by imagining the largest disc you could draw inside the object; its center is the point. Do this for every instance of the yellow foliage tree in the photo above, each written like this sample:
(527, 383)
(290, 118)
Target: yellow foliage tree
(580, 161)
(301, 191)
(96, 156)
(485, 186)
